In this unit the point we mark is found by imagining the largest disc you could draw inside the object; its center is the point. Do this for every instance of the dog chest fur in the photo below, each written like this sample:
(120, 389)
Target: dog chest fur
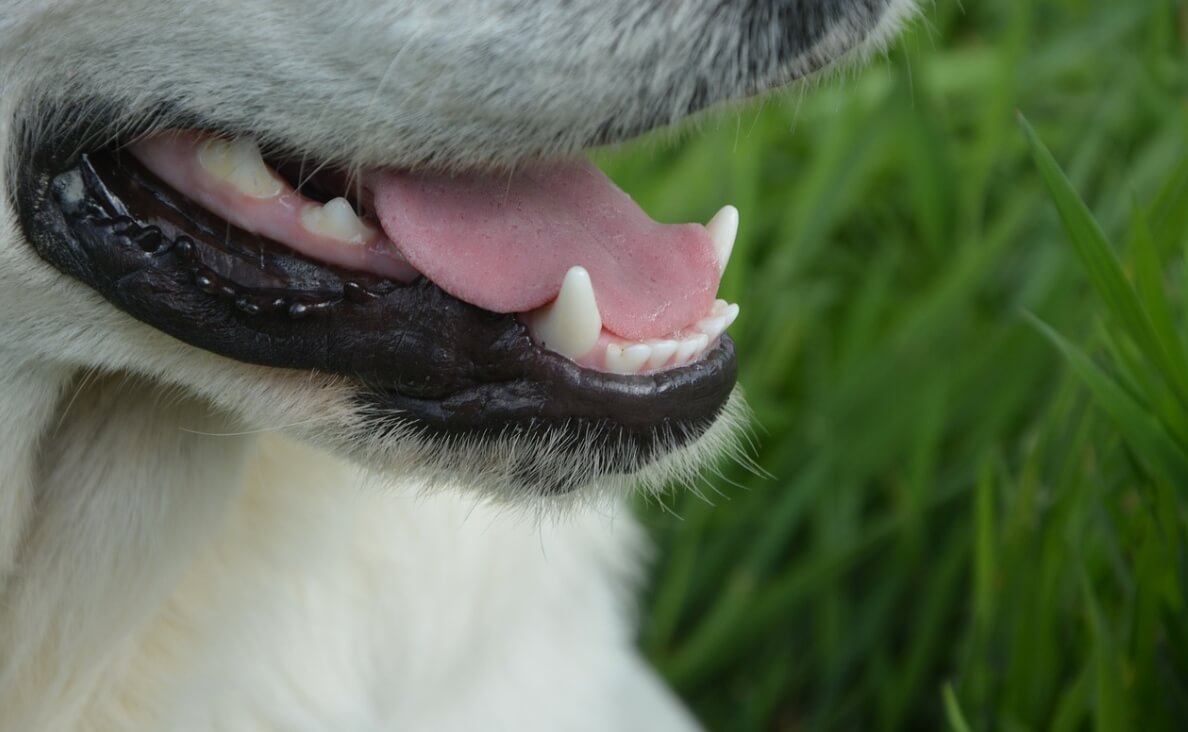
(279, 588)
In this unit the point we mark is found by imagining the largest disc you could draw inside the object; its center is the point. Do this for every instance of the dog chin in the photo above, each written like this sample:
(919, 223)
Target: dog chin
(554, 469)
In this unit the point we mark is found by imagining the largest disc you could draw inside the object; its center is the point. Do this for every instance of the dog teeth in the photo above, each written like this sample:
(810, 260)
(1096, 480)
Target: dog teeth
(571, 324)
(627, 360)
(722, 315)
(661, 352)
(690, 348)
(723, 229)
(620, 356)
(239, 163)
(336, 219)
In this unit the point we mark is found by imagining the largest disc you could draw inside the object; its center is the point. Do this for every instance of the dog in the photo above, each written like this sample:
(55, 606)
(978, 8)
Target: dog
(329, 363)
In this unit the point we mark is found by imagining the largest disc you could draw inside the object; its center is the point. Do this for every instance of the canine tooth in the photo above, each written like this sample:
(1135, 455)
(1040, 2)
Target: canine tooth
(336, 219)
(571, 324)
(661, 352)
(626, 360)
(239, 163)
(723, 229)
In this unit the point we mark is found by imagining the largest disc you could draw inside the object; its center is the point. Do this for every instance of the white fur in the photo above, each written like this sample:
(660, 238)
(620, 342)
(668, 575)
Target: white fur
(182, 544)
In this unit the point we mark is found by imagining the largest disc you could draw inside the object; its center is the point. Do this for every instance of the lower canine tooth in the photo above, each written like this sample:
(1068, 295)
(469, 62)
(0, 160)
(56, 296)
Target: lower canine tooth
(239, 163)
(571, 324)
(336, 219)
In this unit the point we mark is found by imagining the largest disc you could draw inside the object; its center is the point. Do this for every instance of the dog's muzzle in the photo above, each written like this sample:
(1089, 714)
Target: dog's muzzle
(378, 278)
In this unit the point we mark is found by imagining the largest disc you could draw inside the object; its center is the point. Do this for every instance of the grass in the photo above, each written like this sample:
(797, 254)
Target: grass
(969, 372)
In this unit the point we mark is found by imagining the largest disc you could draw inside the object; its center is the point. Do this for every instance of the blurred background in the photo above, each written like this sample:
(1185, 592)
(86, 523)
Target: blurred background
(960, 519)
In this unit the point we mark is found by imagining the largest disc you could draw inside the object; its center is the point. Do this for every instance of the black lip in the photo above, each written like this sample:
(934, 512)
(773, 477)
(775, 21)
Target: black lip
(419, 354)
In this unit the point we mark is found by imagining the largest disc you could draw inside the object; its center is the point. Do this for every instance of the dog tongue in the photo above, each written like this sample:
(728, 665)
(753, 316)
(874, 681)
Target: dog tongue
(504, 243)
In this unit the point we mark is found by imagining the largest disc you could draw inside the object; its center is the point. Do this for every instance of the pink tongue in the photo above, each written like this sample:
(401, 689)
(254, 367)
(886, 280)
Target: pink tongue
(504, 243)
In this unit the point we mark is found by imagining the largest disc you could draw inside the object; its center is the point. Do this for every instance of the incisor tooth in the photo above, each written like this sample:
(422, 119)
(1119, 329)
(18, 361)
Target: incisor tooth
(730, 314)
(239, 163)
(626, 360)
(712, 326)
(723, 228)
(336, 219)
(690, 348)
(571, 324)
(661, 352)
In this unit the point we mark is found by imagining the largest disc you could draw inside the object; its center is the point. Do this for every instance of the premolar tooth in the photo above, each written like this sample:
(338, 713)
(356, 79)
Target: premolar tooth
(571, 324)
(239, 163)
(661, 352)
(336, 219)
(723, 228)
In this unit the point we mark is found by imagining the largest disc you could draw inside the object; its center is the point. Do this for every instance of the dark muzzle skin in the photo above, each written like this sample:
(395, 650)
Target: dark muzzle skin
(419, 355)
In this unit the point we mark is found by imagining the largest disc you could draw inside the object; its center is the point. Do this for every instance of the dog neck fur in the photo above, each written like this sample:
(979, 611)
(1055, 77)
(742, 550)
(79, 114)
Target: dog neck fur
(98, 526)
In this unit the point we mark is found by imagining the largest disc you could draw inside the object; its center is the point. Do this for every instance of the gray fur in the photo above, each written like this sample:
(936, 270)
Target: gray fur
(449, 82)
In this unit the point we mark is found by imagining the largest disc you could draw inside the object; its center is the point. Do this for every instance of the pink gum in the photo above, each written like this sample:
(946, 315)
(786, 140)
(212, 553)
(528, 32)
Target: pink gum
(173, 157)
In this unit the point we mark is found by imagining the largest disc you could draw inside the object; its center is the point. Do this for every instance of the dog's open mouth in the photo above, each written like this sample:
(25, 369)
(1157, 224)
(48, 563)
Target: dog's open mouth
(473, 304)
(590, 274)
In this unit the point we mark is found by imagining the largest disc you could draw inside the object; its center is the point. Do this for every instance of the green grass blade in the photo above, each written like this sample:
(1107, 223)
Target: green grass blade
(1143, 433)
(1103, 266)
(953, 712)
(1149, 280)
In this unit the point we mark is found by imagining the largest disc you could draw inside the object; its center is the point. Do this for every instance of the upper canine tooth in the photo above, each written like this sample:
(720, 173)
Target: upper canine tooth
(239, 163)
(571, 324)
(336, 219)
(723, 228)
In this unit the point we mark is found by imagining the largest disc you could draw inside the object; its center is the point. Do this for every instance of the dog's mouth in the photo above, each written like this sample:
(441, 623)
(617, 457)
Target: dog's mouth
(590, 274)
(468, 304)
